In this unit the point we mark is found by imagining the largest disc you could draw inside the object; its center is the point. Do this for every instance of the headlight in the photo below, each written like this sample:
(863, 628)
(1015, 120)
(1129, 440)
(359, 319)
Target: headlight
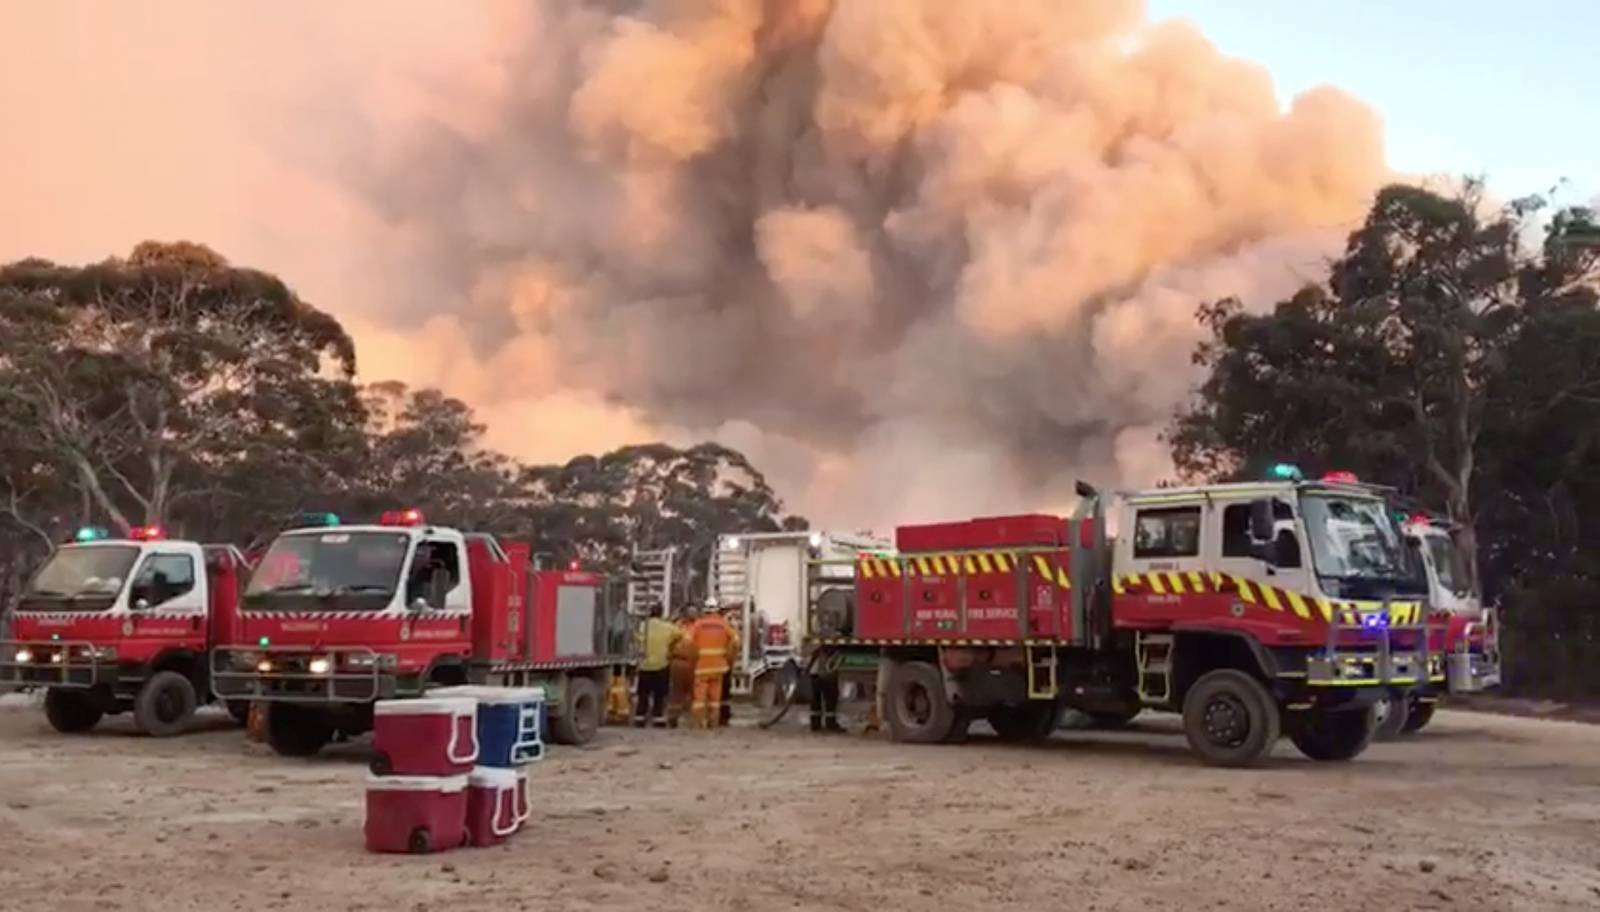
(319, 666)
(24, 656)
(264, 666)
(55, 658)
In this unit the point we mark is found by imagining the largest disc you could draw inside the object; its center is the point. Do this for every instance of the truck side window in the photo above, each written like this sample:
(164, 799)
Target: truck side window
(1236, 531)
(162, 578)
(1167, 532)
(432, 557)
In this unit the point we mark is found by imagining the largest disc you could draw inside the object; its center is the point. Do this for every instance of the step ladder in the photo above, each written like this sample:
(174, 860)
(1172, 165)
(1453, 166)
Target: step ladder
(1043, 665)
(1153, 657)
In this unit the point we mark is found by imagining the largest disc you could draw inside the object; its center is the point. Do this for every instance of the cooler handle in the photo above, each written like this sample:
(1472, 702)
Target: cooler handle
(455, 739)
(500, 805)
(527, 802)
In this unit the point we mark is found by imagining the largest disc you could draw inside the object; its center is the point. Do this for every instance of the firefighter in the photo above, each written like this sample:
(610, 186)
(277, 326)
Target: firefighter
(715, 643)
(681, 674)
(655, 659)
(825, 701)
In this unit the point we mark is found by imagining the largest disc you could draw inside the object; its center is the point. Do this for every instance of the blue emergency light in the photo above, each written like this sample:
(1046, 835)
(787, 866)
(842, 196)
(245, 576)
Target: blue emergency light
(91, 533)
(1377, 620)
(318, 519)
(263, 642)
(1286, 472)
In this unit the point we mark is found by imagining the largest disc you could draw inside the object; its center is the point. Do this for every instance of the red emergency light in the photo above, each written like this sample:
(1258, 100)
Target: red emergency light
(574, 566)
(409, 517)
(146, 533)
(1342, 477)
(1418, 519)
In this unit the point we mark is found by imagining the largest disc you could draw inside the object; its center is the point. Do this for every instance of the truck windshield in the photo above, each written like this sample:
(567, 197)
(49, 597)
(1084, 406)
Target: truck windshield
(79, 578)
(1356, 547)
(355, 570)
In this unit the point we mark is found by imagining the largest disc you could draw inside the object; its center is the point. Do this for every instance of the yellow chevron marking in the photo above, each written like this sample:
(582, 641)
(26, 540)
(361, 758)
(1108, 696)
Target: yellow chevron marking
(894, 566)
(1216, 581)
(1155, 583)
(1299, 605)
(1351, 617)
(1270, 595)
(1041, 565)
(923, 568)
(1326, 609)
(985, 564)
(1175, 582)
(1116, 584)
(1196, 582)
(866, 569)
(1061, 578)
(1243, 586)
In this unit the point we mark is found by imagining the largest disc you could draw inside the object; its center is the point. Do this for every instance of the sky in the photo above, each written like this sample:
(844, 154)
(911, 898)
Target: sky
(1507, 90)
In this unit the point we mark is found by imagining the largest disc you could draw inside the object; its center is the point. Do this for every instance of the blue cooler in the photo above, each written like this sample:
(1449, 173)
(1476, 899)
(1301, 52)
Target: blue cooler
(510, 722)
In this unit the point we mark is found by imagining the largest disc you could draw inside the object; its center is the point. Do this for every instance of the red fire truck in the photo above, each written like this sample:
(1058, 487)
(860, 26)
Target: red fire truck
(1253, 609)
(339, 616)
(108, 626)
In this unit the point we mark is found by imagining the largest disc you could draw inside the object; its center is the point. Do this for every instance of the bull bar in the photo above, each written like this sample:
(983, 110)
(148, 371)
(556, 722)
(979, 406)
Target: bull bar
(354, 674)
(54, 663)
(1381, 664)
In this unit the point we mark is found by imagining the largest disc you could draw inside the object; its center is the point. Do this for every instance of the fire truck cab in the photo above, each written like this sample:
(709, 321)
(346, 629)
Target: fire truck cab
(107, 626)
(337, 617)
(1254, 610)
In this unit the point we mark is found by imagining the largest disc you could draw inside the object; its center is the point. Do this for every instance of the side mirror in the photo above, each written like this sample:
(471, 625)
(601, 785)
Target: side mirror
(418, 604)
(141, 604)
(1261, 520)
(438, 587)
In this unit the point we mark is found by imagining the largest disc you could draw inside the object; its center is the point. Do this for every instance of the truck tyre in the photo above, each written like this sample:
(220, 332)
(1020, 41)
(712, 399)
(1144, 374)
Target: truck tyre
(1230, 719)
(1031, 721)
(164, 705)
(1421, 714)
(918, 710)
(1390, 715)
(297, 731)
(240, 711)
(71, 711)
(581, 720)
(1335, 735)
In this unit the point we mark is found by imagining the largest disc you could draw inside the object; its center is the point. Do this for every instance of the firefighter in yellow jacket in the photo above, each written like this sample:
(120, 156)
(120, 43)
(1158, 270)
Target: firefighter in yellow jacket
(715, 645)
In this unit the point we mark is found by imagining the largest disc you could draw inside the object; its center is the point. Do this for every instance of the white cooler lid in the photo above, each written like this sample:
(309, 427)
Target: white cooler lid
(492, 777)
(510, 695)
(426, 706)
(445, 784)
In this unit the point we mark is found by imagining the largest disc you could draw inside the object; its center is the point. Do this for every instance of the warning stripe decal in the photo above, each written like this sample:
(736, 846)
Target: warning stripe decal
(970, 563)
(1254, 592)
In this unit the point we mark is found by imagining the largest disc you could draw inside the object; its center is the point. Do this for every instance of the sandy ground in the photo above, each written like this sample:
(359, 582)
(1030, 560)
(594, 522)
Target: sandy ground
(1479, 812)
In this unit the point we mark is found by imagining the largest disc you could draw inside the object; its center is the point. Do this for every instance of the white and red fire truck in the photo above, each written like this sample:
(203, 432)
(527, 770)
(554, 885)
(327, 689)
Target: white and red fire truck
(1470, 639)
(1254, 610)
(108, 626)
(339, 616)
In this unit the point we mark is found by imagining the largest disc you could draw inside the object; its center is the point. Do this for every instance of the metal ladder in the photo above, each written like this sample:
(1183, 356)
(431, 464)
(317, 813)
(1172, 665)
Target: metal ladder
(1153, 656)
(650, 582)
(729, 582)
(1043, 681)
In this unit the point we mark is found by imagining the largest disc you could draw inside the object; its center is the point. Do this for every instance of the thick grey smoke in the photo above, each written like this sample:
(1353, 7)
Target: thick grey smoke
(918, 256)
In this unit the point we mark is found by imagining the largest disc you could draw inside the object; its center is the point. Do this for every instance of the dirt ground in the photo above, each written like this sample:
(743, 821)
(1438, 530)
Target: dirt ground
(1479, 812)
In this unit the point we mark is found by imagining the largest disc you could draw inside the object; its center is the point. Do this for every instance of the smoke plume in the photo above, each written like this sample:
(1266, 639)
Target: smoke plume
(917, 257)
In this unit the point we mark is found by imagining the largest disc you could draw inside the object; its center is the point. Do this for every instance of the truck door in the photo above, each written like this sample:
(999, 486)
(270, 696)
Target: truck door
(1163, 548)
(1239, 555)
(167, 598)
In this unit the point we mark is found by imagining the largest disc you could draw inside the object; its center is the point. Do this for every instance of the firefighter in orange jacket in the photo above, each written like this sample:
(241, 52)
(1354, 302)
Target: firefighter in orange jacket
(715, 644)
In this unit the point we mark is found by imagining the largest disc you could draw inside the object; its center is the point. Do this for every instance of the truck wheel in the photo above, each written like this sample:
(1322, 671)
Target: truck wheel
(164, 705)
(918, 710)
(1032, 721)
(240, 711)
(581, 721)
(71, 711)
(1335, 735)
(1230, 719)
(1389, 717)
(1421, 715)
(297, 731)
(421, 841)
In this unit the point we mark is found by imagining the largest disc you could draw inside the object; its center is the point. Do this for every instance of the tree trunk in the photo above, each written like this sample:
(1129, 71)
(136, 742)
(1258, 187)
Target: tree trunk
(91, 484)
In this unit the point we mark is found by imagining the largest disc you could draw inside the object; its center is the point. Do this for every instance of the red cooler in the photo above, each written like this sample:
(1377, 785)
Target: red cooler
(416, 814)
(492, 805)
(431, 736)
